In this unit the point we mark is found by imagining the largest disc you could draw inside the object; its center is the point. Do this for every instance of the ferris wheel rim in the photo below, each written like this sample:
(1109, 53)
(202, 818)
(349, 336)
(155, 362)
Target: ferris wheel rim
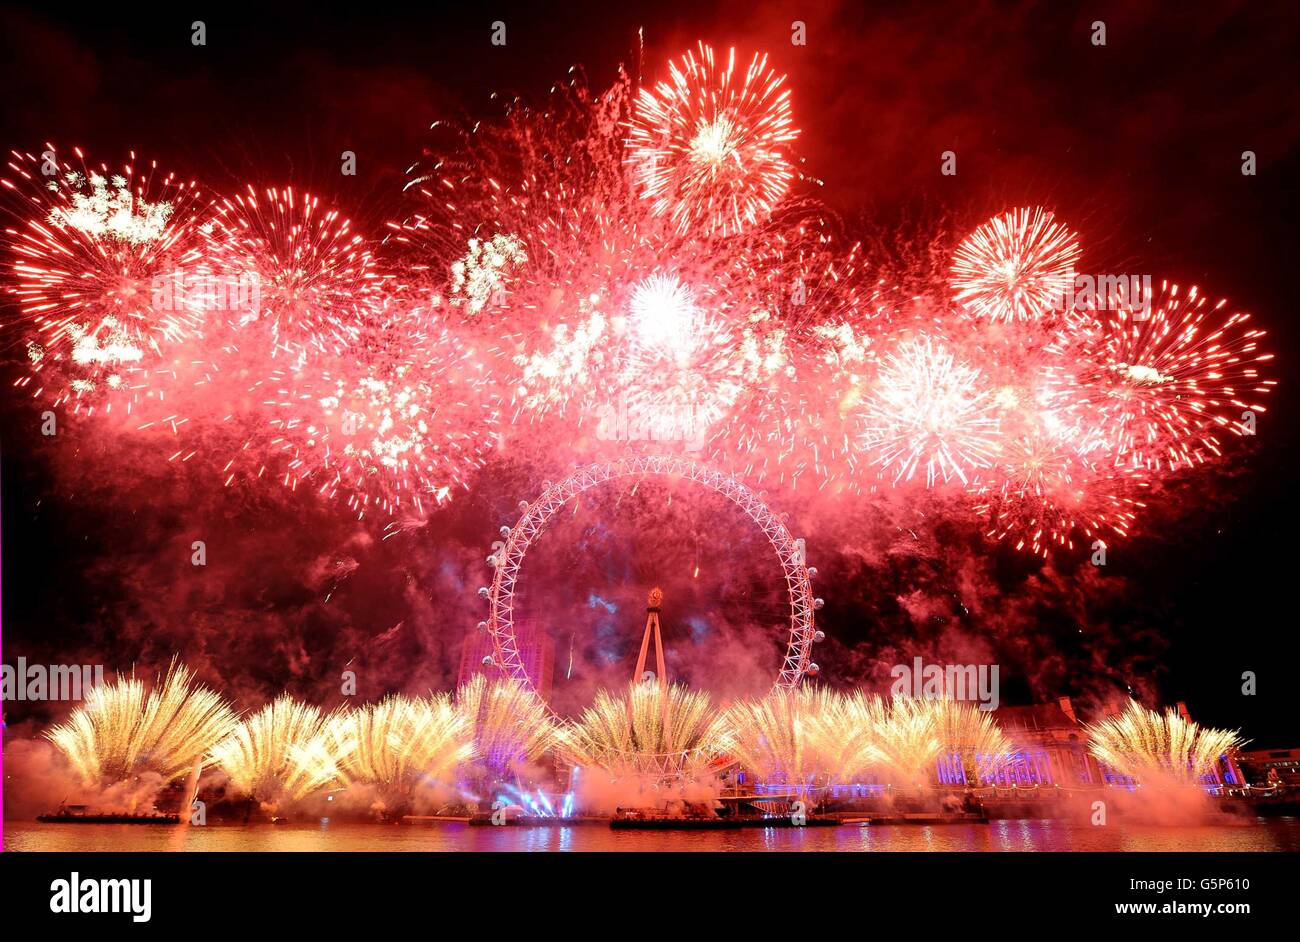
(536, 516)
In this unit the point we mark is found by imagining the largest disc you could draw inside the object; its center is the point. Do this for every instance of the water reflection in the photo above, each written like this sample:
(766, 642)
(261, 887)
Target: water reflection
(1020, 835)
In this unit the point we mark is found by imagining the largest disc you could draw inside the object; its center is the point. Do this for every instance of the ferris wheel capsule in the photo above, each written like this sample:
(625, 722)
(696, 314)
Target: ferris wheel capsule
(481, 626)
(483, 592)
(813, 670)
(504, 531)
(818, 635)
(818, 603)
(487, 661)
(812, 571)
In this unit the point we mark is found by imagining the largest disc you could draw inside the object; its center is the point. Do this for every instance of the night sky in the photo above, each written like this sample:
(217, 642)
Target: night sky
(1137, 143)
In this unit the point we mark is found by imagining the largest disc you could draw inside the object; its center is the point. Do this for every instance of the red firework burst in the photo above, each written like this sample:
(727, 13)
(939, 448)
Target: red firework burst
(395, 433)
(1069, 504)
(709, 146)
(684, 366)
(300, 272)
(96, 256)
(927, 411)
(1165, 380)
(1015, 267)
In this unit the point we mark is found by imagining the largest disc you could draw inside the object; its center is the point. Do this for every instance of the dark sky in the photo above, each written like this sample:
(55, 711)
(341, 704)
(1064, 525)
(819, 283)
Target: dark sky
(1137, 143)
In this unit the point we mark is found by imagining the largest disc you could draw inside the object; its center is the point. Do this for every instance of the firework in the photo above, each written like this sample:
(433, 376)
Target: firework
(481, 277)
(400, 744)
(969, 736)
(647, 731)
(664, 312)
(395, 427)
(510, 723)
(1075, 503)
(709, 147)
(842, 734)
(124, 731)
(274, 755)
(770, 735)
(99, 261)
(806, 737)
(1050, 484)
(1167, 380)
(908, 740)
(811, 737)
(310, 278)
(1154, 749)
(685, 367)
(928, 411)
(816, 316)
(609, 269)
(1016, 266)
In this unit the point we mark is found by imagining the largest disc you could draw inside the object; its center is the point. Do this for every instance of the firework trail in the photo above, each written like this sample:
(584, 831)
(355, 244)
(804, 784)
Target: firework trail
(1154, 749)
(809, 737)
(124, 730)
(401, 744)
(842, 734)
(908, 741)
(266, 757)
(970, 736)
(812, 737)
(510, 722)
(768, 736)
(647, 732)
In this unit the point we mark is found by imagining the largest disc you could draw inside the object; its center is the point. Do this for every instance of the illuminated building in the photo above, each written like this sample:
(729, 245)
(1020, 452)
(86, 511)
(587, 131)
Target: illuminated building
(1051, 747)
(536, 651)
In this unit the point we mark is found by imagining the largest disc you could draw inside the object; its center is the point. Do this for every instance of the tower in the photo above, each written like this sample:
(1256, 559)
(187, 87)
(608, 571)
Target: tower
(653, 606)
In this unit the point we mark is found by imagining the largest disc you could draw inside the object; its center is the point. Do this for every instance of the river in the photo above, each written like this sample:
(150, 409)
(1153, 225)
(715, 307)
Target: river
(1272, 834)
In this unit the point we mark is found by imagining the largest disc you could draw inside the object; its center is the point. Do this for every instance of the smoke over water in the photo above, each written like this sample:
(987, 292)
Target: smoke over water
(293, 594)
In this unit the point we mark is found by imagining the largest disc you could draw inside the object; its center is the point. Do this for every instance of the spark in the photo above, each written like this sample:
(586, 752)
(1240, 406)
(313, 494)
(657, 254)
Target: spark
(1158, 749)
(647, 731)
(1016, 266)
(928, 411)
(709, 147)
(266, 757)
(125, 730)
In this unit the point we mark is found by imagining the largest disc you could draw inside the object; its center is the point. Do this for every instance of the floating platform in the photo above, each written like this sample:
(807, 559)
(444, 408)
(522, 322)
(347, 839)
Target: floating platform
(917, 818)
(715, 824)
(434, 819)
(535, 821)
(65, 817)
